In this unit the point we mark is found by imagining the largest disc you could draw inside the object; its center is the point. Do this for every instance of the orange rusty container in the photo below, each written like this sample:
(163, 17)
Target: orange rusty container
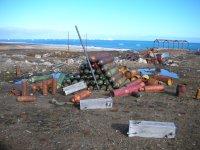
(152, 81)
(29, 98)
(54, 87)
(181, 90)
(138, 81)
(24, 87)
(123, 69)
(154, 88)
(166, 80)
(198, 94)
(44, 88)
(99, 56)
(80, 95)
(128, 74)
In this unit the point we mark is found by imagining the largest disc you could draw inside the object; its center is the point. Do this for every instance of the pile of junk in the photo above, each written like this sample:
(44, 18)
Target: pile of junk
(99, 72)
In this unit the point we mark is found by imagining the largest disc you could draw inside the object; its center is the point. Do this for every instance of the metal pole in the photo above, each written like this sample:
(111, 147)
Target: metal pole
(86, 42)
(68, 41)
(86, 54)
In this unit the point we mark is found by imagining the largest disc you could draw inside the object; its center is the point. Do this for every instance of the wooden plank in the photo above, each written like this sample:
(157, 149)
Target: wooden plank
(75, 87)
(100, 103)
(151, 129)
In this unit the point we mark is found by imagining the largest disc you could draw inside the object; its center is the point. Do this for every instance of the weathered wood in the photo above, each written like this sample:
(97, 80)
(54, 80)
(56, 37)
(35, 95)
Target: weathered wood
(151, 129)
(75, 87)
(100, 103)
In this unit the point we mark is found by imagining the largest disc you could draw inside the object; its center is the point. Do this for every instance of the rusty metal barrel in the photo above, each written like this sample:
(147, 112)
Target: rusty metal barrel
(132, 88)
(54, 86)
(154, 88)
(80, 95)
(44, 88)
(152, 81)
(136, 82)
(166, 80)
(28, 98)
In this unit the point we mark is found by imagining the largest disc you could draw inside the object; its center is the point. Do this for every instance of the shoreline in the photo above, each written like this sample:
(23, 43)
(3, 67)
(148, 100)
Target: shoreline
(72, 48)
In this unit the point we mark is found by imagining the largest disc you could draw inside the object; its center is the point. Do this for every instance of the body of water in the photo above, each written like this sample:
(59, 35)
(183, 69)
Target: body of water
(116, 44)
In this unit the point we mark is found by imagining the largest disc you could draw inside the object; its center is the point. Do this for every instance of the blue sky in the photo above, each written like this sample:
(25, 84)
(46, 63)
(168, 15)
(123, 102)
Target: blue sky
(101, 19)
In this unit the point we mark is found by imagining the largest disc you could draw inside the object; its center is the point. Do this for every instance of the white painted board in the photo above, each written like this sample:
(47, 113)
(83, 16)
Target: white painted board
(151, 129)
(99, 103)
(75, 87)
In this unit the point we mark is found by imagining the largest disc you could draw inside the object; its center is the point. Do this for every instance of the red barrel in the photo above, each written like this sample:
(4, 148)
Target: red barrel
(138, 81)
(121, 92)
(136, 88)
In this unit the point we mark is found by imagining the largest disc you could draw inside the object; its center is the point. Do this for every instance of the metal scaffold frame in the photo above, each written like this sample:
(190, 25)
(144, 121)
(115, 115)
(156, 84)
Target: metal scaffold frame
(180, 43)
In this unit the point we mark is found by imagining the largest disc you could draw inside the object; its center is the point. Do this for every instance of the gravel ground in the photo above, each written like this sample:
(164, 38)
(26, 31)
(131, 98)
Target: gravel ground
(41, 125)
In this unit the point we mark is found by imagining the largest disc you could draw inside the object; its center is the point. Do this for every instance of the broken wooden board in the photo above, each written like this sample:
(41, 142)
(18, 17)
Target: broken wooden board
(99, 103)
(151, 129)
(75, 87)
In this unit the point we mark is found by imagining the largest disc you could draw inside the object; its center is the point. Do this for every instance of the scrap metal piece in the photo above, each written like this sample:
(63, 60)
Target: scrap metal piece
(151, 129)
(99, 103)
(75, 87)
